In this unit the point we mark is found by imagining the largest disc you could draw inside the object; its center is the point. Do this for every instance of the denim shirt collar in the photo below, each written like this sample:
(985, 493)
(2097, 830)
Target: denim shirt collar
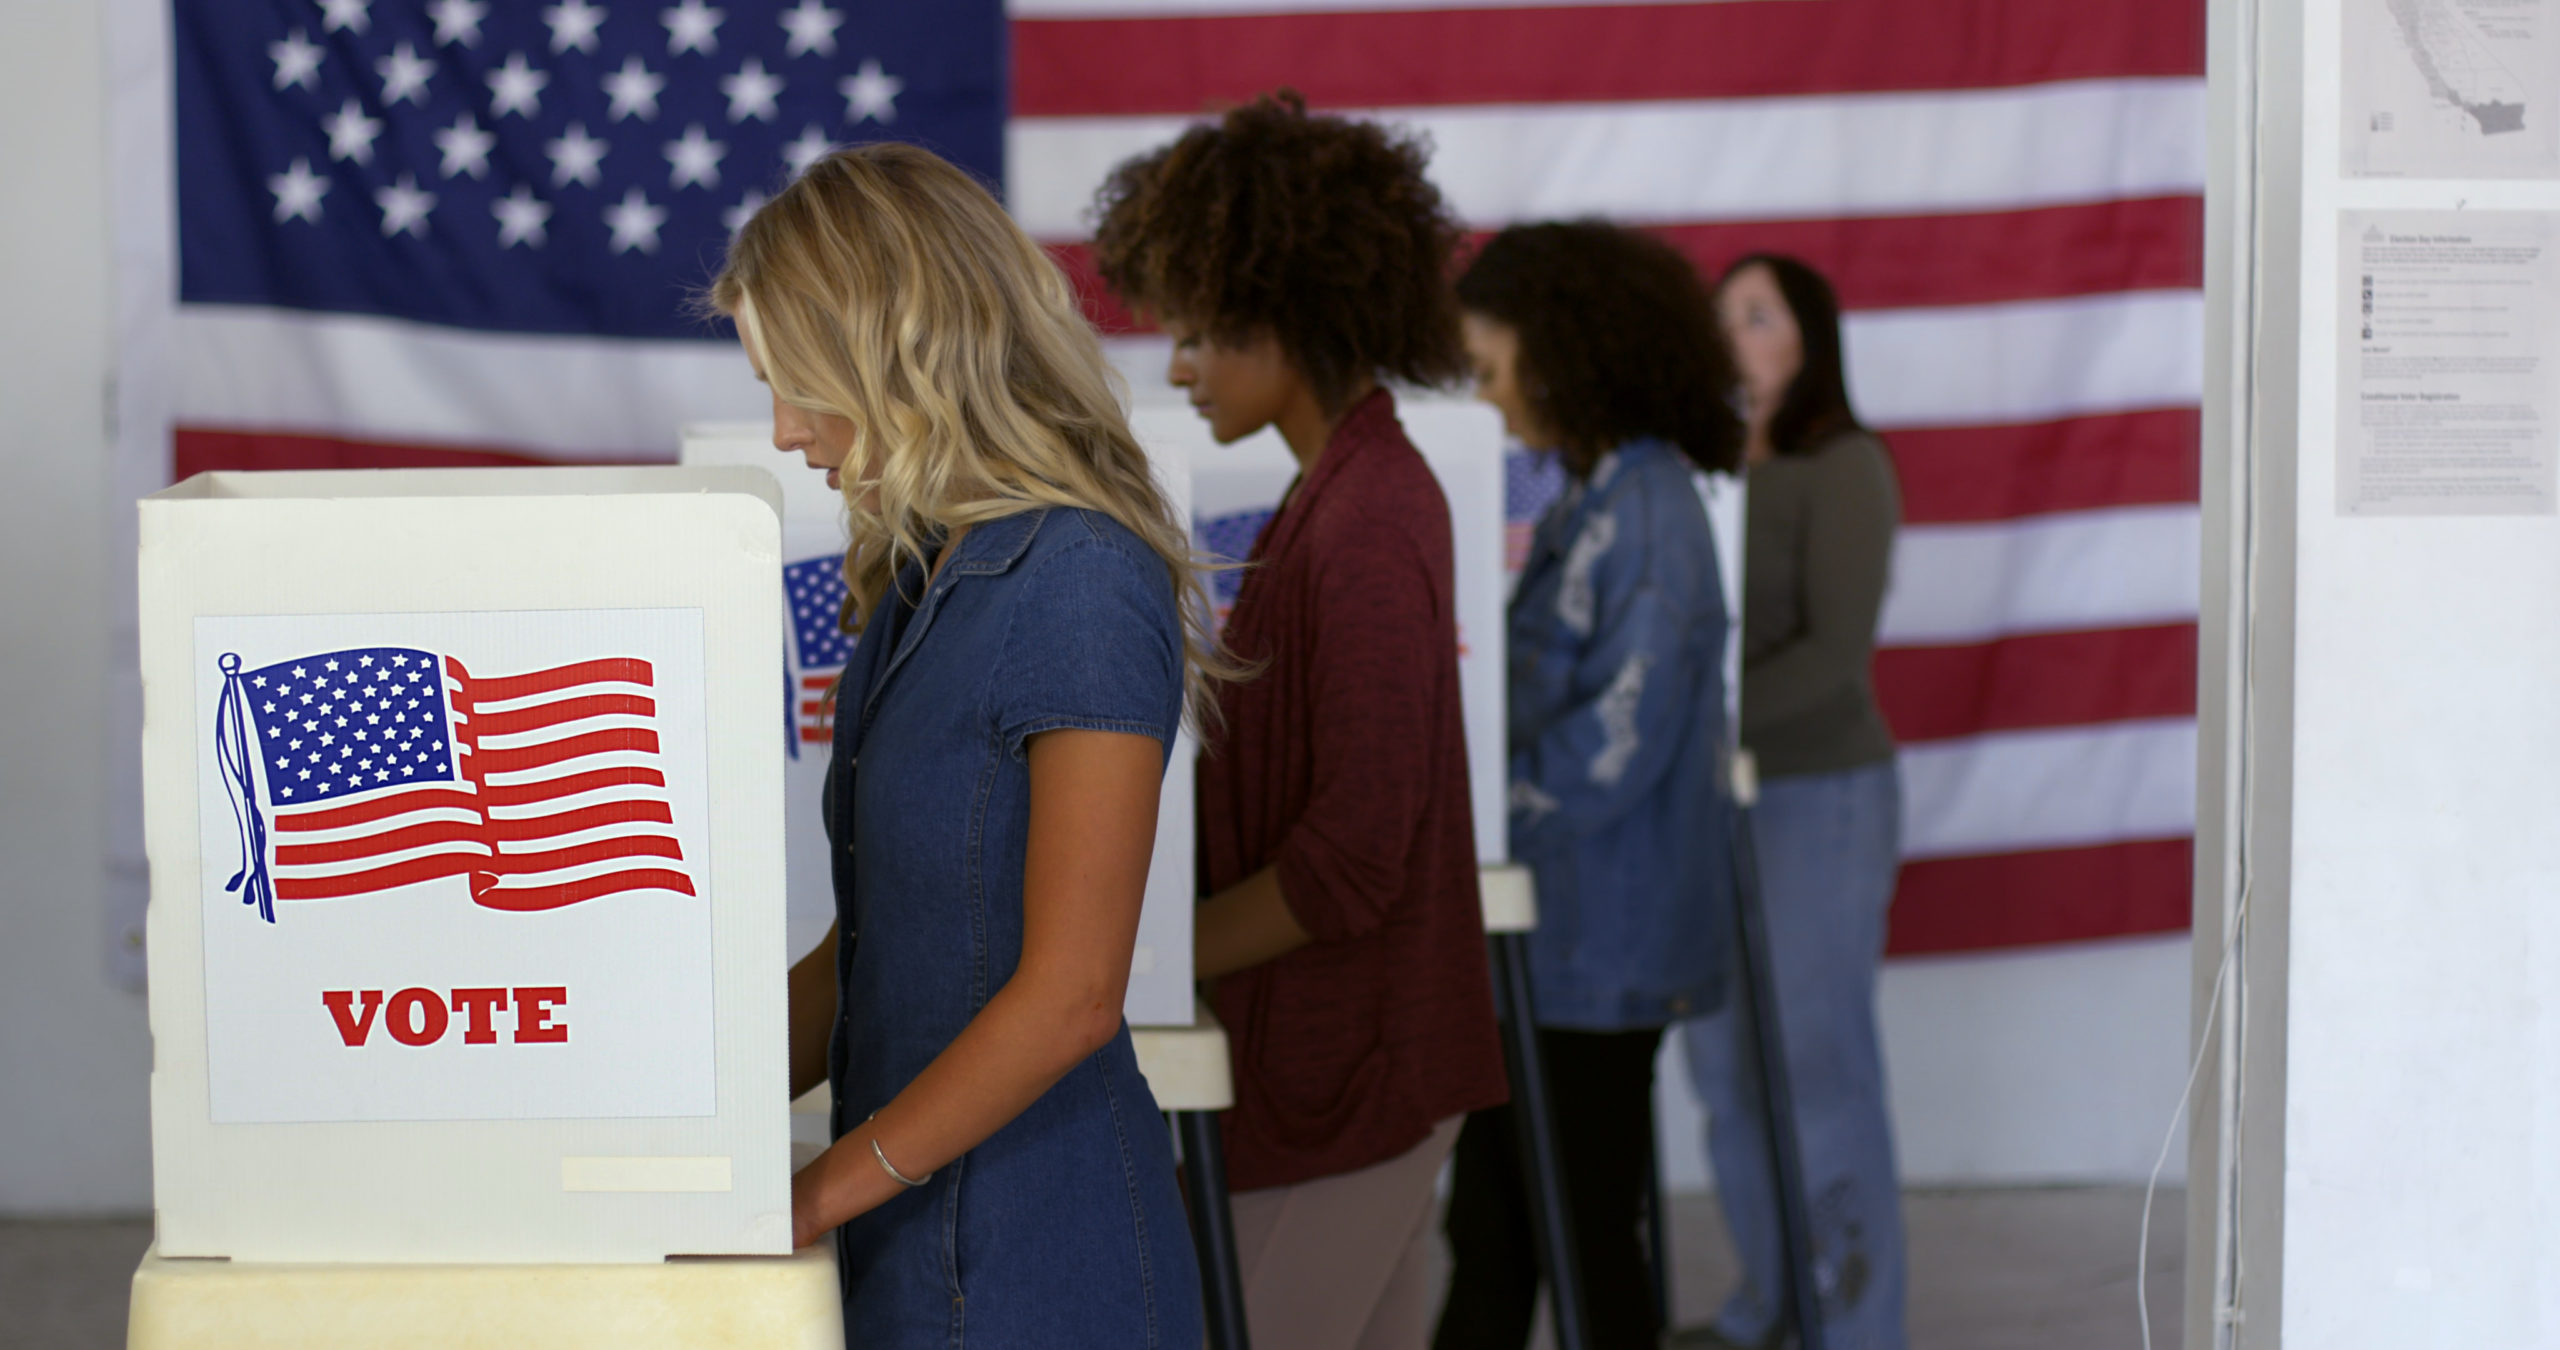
(988, 549)
(996, 545)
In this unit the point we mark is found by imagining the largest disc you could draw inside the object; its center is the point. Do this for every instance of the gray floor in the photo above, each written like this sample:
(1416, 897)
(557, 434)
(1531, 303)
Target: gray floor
(1991, 1270)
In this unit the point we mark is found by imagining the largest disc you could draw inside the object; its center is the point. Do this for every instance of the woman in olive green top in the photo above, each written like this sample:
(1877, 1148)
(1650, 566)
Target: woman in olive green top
(1818, 546)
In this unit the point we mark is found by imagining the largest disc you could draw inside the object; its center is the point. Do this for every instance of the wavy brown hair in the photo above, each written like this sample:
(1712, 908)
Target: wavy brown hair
(886, 287)
(1618, 340)
(1324, 232)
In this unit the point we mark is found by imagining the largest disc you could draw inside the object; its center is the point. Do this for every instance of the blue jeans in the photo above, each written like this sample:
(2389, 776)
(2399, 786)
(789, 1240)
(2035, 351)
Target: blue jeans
(1828, 846)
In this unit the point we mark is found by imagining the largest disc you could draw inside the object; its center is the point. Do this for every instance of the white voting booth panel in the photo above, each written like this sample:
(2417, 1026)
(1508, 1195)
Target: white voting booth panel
(813, 544)
(465, 829)
(1235, 487)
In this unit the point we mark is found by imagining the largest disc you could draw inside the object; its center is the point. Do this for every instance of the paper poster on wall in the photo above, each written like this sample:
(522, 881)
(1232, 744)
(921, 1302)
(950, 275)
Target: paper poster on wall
(2450, 89)
(2446, 328)
(455, 866)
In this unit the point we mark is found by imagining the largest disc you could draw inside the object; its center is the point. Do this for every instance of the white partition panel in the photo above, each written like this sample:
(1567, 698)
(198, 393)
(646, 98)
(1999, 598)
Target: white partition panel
(466, 918)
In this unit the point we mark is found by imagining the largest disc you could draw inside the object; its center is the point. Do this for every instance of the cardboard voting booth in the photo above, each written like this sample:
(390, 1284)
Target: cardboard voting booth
(465, 824)
(816, 648)
(1236, 488)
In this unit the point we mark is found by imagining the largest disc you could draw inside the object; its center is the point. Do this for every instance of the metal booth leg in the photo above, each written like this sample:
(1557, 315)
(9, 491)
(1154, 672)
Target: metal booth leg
(1213, 1231)
(1657, 1235)
(1533, 1120)
(1759, 987)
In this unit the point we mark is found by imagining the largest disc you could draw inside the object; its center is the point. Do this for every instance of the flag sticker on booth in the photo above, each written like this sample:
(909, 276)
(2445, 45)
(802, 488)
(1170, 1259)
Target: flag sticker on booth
(815, 590)
(456, 866)
(380, 767)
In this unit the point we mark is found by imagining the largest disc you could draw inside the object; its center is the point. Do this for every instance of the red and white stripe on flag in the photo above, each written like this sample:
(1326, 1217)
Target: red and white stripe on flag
(2008, 197)
(2006, 192)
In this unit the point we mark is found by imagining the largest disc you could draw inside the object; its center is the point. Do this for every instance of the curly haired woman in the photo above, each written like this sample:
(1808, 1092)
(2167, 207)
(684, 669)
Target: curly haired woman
(1297, 261)
(1599, 344)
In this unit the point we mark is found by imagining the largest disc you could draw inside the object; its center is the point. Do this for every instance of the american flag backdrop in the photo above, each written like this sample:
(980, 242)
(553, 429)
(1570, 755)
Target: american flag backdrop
(466, 233)
(373, 768)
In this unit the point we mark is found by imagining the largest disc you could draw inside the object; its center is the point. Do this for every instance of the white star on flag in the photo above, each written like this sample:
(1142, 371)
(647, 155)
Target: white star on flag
(575, 157)
(298, 192)
(694, 161)
(404, 76)
(751, 91)
(404, 207)
(691, 26)
(516, 88)
(466, 147)
(635, 223)
(351, 133)
(812, 27)
(346, 14)
(633, 90)
(573, 25)
(736, 217)
(458, 21)
(811, 147)
(297, 61)
(870, 93)
(522, 218)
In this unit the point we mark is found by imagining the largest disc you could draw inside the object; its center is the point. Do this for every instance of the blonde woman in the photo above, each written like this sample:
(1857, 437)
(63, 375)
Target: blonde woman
(1030, 639)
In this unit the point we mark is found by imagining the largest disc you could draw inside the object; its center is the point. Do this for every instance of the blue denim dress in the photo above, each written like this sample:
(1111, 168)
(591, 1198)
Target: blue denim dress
(1065, 1227)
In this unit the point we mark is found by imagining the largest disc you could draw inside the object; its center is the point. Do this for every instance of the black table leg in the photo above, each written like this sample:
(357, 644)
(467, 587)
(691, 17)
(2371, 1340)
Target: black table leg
(1213, 1231)
(1534, 1122)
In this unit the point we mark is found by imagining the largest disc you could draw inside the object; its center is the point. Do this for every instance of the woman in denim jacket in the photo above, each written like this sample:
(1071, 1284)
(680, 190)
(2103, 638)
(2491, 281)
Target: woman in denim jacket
(1600, 344)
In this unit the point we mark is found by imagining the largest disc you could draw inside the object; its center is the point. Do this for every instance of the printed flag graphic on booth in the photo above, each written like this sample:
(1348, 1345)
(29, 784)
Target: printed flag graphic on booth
(456, 865)
(370, 769)
(815, 590)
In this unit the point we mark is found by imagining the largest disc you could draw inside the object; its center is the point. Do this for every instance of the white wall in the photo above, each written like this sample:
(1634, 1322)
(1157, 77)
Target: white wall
(2421, 1114)
(75, 1054)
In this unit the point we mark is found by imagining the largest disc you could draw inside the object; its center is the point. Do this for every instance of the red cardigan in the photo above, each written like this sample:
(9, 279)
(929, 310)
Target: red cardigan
(1344, 763)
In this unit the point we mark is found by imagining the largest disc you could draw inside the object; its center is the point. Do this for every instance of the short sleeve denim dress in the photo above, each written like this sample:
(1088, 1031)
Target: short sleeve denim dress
(1064, 1228)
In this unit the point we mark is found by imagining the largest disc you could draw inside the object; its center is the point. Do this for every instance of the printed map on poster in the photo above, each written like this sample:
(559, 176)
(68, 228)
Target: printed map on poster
(456, 866)
(2451, 89)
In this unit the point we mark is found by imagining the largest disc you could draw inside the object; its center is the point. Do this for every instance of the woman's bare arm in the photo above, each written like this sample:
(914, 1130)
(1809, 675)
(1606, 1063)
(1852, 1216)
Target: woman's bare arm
(1093, 822)
(1245, 925)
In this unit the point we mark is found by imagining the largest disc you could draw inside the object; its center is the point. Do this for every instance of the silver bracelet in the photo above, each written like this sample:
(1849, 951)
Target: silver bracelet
(889, 1167)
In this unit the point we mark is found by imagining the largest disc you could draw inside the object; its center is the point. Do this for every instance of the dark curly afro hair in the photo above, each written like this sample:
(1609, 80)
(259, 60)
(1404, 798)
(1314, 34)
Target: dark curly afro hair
(1618, 339)
(1323, 232)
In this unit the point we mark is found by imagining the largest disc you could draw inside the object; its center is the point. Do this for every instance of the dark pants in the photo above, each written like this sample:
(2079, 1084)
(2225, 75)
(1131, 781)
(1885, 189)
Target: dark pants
(1602, 1087)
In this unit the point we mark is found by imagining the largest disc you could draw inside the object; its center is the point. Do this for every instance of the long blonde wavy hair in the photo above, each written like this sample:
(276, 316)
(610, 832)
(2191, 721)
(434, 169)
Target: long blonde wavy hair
(886, 287)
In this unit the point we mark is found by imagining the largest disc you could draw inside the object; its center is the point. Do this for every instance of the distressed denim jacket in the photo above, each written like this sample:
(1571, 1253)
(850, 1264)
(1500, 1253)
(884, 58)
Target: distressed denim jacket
(1617, 730)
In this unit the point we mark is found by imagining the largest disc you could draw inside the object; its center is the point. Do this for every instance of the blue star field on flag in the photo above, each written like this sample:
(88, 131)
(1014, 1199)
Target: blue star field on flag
(350, 721)
(816, 591)
(1229, 539)
(544, 166)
